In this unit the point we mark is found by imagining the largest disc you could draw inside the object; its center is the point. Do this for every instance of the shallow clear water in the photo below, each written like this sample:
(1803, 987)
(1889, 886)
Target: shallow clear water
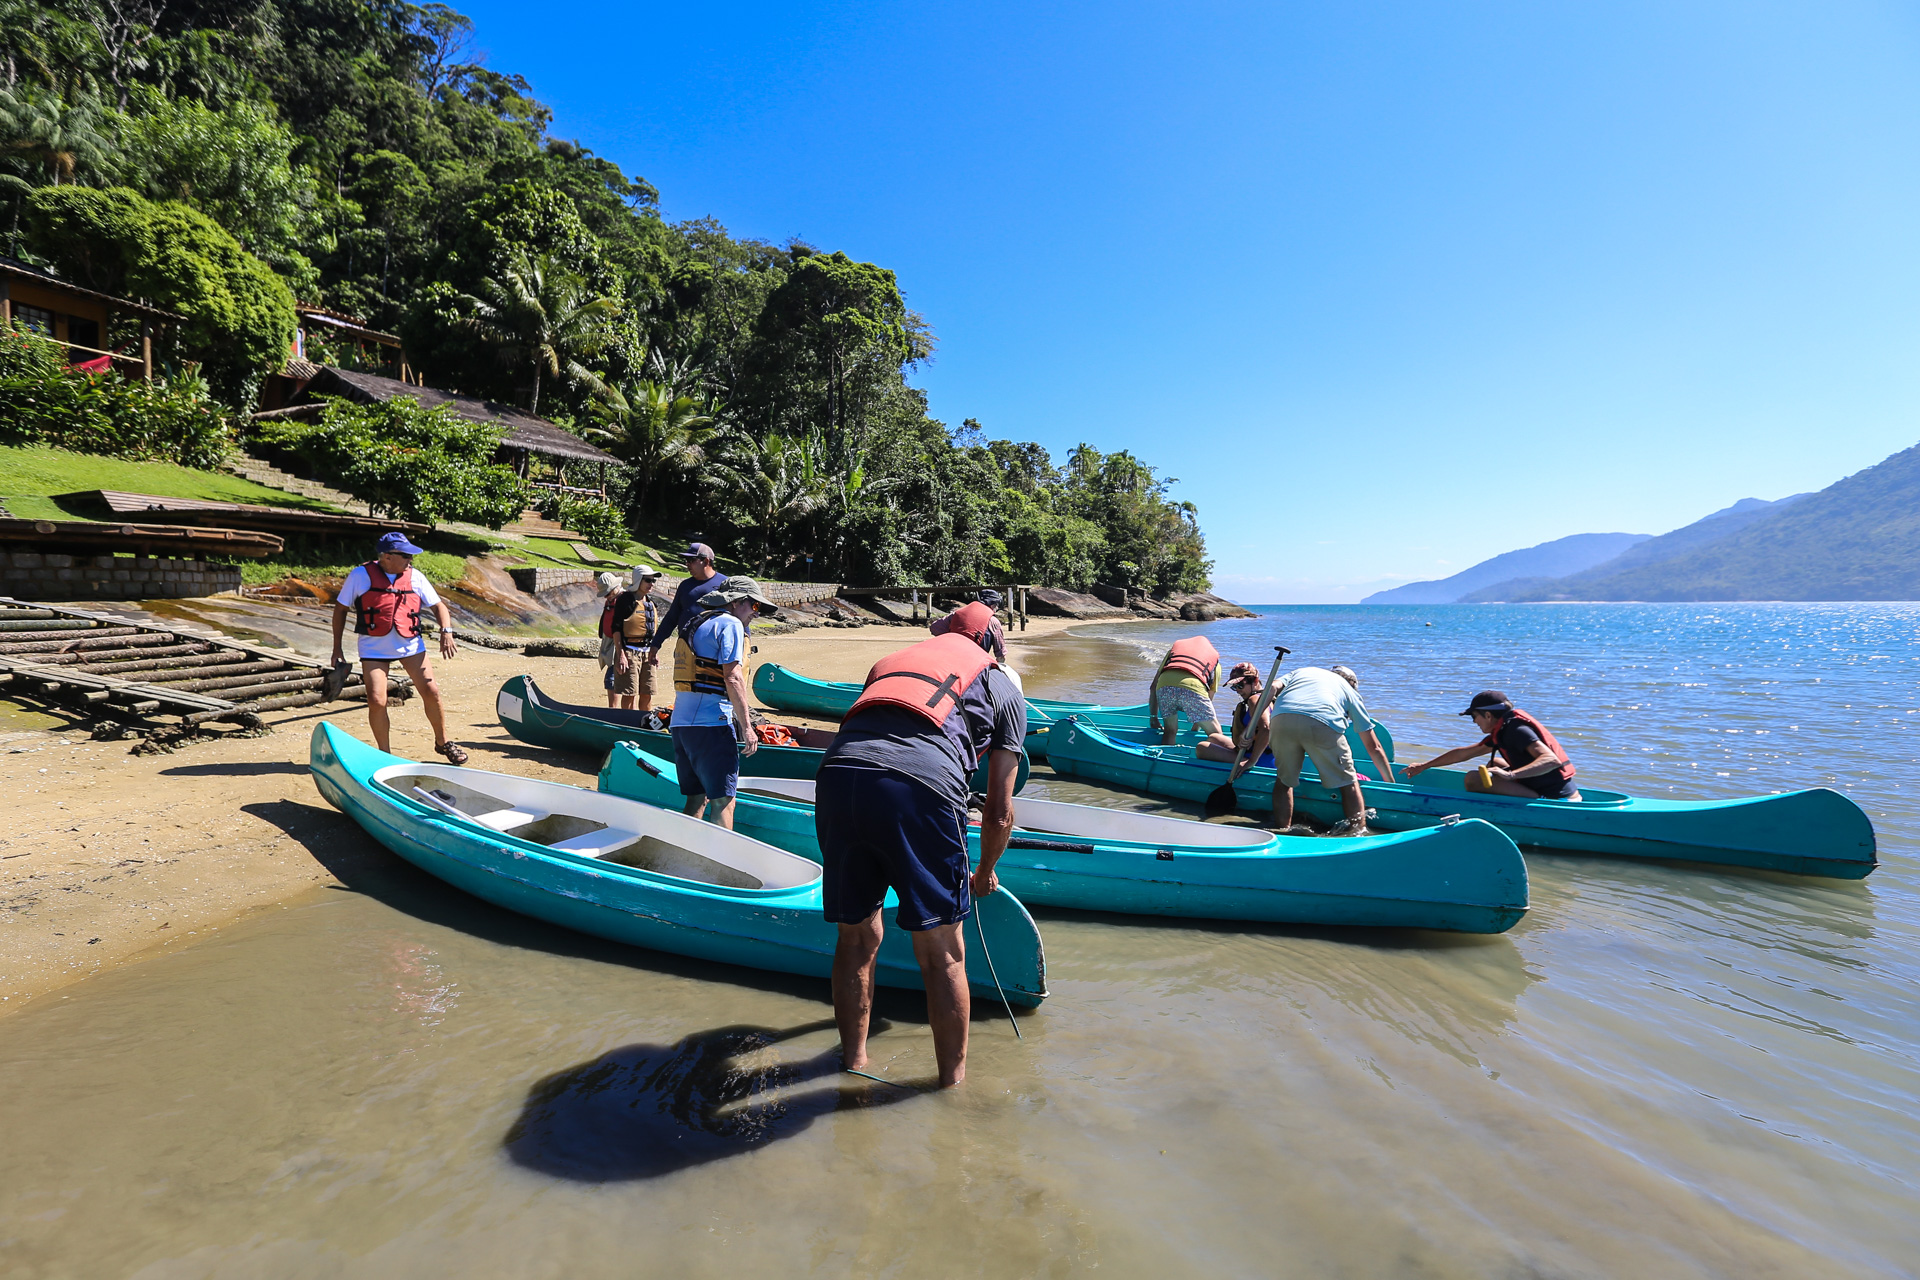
(1663, 1070)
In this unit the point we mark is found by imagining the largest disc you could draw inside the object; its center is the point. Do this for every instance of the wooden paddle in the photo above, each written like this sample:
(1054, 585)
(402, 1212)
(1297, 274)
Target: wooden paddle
(1224, 797)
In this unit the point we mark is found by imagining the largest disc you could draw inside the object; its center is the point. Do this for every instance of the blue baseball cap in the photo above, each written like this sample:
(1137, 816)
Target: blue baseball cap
(397, 541)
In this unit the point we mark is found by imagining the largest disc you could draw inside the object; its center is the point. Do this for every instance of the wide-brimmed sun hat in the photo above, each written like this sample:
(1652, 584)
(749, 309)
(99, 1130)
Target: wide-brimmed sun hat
(743, 588)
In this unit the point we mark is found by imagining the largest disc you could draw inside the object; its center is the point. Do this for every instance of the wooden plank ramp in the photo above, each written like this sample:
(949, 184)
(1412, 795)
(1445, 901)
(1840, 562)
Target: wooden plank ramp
(129, 672)
(238, 515)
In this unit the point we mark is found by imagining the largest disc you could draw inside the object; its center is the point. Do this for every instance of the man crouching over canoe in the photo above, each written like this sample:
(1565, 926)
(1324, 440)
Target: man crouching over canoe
(891, 813)
(1310, 715)
(1537, 766)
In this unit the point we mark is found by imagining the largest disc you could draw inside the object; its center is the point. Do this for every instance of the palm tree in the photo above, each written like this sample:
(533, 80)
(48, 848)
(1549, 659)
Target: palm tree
(778, 480)
(63, 138)
(537, 307)
(659, 434)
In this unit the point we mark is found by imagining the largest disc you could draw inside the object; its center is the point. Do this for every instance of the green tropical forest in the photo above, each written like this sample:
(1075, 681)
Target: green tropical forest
(223, 158)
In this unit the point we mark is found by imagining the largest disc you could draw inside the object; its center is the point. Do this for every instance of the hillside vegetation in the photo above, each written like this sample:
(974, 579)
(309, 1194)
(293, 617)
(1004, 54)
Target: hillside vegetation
(223, 158)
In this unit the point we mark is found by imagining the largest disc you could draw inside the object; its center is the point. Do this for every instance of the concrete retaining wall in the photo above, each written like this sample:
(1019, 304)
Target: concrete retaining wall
(534, 581)
(37, 575)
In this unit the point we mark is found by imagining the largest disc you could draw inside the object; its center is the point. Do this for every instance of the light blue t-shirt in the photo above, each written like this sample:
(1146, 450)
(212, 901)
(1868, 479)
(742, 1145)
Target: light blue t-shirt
(723, 638)
(1317, 692)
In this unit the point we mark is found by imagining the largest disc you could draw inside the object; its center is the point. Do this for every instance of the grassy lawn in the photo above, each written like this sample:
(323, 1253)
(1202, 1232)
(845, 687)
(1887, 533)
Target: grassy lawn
(30, 476)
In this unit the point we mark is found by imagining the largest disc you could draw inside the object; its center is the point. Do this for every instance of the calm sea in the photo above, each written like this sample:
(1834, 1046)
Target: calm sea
(1663, 1071)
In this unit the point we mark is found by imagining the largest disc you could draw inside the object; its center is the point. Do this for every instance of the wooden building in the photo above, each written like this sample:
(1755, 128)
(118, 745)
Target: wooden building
(526, 436)
(83, 320)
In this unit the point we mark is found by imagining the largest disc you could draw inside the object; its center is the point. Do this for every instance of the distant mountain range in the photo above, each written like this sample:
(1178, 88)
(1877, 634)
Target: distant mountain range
(1857, 539)
(1703, 532)
(1546, 562)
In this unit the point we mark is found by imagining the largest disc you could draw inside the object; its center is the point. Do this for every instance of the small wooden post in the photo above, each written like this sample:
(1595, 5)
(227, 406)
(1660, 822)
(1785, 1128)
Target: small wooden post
(914, 613)
(146, 350)
(6, 304)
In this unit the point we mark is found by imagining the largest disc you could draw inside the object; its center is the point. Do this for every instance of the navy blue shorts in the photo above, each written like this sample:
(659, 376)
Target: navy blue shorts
(707, 758)
(880, 830)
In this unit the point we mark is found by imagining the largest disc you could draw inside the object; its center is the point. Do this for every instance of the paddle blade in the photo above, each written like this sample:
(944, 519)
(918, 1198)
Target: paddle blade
(1223, 800)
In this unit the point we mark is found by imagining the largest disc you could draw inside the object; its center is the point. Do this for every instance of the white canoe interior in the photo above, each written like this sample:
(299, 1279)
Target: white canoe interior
(1058, 818)
(590, 824)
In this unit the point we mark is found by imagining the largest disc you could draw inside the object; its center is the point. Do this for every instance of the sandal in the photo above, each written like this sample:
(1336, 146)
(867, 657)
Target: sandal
(453, 751)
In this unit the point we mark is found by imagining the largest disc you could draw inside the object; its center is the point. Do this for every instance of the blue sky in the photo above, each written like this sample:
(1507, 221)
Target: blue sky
(1389, 288)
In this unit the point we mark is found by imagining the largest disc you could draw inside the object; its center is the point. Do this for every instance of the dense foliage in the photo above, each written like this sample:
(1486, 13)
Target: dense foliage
(600, 523)
(418, 464)
(214, 154)
(42, 402)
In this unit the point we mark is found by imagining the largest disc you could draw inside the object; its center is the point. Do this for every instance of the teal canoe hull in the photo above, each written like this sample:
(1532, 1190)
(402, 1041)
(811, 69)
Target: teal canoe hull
(789, 691)
(779, 930)
(1815, 832)
(1465, 876)
(783, 690)
(532, 717)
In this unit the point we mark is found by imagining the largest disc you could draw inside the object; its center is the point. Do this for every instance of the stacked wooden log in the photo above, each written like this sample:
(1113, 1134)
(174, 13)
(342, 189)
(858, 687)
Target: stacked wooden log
(123, 670)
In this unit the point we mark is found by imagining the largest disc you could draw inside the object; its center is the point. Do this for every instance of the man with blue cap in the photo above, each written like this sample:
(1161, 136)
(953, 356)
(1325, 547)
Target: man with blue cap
(386, 596)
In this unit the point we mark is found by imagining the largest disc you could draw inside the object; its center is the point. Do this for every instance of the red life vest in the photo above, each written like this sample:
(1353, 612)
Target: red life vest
(387, 605)
(1567, 768)
(927, 678)
(1195, 656)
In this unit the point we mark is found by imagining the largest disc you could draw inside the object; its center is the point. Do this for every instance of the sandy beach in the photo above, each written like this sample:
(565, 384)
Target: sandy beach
(110, 855)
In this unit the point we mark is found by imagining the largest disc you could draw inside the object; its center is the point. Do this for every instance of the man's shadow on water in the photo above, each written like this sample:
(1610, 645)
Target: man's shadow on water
(644, 1110)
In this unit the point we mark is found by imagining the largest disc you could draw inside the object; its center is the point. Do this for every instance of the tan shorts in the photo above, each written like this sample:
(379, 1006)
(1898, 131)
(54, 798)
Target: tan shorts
(1297, 737)
(636, 681)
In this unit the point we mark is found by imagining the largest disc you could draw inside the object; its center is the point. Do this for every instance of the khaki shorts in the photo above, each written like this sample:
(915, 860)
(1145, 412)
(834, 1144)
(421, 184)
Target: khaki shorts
(636, 681)
(1297, 737)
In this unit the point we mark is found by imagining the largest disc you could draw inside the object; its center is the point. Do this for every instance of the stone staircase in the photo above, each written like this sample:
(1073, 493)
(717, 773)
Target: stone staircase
(248, 467)
(532, 524)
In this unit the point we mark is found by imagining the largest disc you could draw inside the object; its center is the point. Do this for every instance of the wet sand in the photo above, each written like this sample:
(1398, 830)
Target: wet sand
(106, 855)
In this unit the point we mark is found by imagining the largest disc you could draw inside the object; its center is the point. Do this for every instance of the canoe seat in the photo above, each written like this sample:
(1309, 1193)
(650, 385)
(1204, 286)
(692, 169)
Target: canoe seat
(509, 819)
(596, 844)
(668, 859)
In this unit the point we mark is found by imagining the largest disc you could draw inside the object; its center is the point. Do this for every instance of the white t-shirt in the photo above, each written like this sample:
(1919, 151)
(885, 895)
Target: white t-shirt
(392, 644)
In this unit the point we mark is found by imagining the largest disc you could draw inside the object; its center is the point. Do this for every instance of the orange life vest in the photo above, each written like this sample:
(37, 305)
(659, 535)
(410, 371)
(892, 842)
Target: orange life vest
(1553, 744)
(927, 678)
(1197, 657)
(387, 605)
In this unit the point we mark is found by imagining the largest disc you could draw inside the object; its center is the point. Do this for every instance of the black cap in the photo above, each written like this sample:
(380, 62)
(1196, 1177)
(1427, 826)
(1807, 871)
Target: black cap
(698, 551)
(989, 598)
(1488, 700)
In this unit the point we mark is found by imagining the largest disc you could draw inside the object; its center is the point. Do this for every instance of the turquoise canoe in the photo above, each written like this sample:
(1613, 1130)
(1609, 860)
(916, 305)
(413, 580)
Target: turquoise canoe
(1465, 876)
(799, 695)
(633, 873)
(789, 691)
(1816, 832)
(532, 717)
